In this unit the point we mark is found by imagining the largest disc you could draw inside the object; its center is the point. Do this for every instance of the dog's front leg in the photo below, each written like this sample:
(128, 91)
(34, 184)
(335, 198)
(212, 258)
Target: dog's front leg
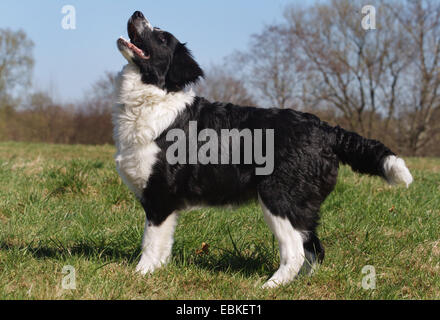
(157, 243)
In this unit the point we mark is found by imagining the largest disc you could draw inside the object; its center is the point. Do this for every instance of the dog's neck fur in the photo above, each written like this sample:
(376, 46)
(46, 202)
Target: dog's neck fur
(142, 112)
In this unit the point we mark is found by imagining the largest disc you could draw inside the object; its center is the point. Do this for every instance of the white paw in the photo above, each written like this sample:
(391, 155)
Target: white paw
(144, 266)
(283, 275)
(271, 283)
(277, 279)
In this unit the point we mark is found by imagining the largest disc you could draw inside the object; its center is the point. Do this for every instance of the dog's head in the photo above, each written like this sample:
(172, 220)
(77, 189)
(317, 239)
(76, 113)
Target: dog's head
(162, 60)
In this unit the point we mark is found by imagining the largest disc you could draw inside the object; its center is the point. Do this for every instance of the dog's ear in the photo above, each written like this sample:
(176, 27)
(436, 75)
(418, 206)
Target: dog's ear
(183, 69)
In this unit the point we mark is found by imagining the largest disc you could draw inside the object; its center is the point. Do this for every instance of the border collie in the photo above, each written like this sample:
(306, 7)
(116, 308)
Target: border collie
(151, 100)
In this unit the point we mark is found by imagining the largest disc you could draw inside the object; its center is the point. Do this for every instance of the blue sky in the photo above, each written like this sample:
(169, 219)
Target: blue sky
(69, 61)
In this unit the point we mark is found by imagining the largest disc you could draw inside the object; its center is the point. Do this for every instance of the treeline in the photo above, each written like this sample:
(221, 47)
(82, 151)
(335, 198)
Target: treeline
(54, 123)
(40, 119)
(382, 83)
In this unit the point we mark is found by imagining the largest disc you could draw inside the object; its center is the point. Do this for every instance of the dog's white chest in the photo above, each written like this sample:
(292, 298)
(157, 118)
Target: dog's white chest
(141, 113)
(135, 165)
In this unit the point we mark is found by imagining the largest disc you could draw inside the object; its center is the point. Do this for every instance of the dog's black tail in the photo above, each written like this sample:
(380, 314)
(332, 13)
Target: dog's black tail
(369, 156)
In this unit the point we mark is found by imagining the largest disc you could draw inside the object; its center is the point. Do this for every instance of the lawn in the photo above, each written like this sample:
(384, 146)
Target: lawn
(66, 206)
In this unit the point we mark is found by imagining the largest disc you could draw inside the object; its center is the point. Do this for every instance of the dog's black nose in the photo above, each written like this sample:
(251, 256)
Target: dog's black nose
(138, 14)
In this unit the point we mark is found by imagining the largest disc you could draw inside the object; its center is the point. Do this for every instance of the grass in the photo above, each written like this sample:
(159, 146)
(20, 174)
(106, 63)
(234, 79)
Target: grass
(65, 205)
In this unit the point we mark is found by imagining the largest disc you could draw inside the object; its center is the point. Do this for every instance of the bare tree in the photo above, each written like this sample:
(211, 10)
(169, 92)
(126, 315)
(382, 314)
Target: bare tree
(93, 116)
(16, 61)
(419, 124)
(272, 68)
(354, 70)
(16, 64)
(100, 96)
(220, 85)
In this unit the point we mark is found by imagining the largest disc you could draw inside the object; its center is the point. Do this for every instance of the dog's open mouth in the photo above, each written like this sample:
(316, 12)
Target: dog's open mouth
(137, 25)
(123, 43)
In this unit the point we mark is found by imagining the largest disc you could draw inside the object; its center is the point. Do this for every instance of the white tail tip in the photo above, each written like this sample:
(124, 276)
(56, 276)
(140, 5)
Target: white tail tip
(396, 171)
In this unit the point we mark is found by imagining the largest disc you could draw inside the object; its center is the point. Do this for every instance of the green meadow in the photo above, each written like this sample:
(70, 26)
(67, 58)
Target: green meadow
(64, 205)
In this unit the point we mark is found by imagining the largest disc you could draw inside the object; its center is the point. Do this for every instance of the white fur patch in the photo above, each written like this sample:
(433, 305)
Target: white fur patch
(141, 113)
(157, 243)
(396, 171)
(290, 242)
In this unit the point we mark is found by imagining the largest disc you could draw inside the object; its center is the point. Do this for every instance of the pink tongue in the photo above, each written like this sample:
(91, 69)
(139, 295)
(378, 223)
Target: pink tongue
(137, 50)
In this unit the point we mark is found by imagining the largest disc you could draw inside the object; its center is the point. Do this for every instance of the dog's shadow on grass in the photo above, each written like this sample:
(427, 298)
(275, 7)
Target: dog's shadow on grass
(227, 262)
(78, 249)
(258, 263)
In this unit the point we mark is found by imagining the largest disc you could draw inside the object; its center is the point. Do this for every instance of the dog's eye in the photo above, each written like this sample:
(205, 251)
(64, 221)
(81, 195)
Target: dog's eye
(162, 38)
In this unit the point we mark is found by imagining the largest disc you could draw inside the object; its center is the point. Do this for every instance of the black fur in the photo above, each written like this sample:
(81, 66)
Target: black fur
(307, 151)
(307, 155)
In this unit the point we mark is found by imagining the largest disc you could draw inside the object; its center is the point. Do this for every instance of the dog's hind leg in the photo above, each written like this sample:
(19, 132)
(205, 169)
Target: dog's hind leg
(291, 247)
(313, 252)
(157, 243)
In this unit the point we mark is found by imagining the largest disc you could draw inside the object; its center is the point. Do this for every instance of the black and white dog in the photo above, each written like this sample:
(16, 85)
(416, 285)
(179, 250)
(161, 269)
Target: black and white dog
(151, 100)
